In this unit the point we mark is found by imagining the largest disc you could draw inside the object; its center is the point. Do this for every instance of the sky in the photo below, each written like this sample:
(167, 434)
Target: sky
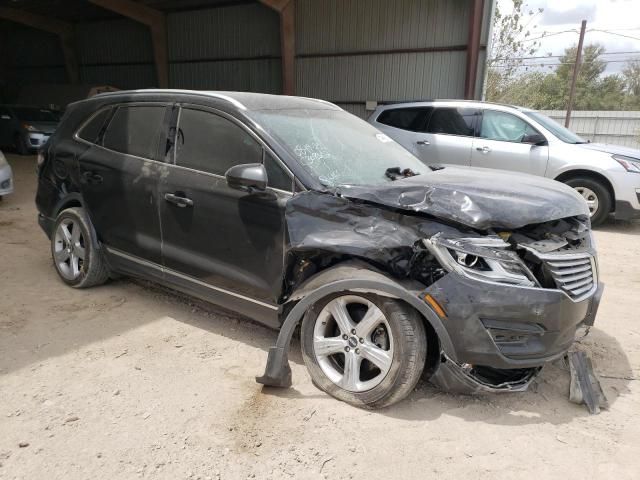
(621, 17)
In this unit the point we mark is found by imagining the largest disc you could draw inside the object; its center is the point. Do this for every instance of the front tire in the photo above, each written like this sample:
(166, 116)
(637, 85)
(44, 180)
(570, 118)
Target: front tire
(363, 349)
(75, 251)
(596, 195)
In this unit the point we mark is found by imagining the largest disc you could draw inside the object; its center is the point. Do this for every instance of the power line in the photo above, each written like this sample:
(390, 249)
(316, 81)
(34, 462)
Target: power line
(504, 65)
(614, 33)
(563, 55)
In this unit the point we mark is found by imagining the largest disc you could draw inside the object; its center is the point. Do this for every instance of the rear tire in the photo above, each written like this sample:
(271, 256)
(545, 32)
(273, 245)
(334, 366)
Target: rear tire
(21, 147)
(75, 250)
(597, 196)
(388, 356)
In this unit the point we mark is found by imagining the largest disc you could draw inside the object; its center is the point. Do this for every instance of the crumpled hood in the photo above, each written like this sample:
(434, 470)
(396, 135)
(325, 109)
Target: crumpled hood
(612, 149)
(477, 197)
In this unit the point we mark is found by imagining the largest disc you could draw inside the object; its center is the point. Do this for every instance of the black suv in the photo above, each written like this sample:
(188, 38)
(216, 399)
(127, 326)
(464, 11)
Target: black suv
(291, 210)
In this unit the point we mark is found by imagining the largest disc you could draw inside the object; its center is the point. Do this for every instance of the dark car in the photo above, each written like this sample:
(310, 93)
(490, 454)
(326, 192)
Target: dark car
(291, 210)
(26, 128)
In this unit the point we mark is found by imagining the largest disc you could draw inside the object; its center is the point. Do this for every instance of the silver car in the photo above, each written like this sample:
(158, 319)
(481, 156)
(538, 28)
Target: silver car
(480, 134)
(6, 177)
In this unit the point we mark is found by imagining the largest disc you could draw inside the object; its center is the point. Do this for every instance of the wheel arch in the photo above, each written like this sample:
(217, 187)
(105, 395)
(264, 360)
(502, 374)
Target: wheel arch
(70, 200)
(348, 277)
(569, 174)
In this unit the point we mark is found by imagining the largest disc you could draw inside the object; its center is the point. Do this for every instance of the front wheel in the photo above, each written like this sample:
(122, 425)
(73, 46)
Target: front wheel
(596, 195)
(364, 349)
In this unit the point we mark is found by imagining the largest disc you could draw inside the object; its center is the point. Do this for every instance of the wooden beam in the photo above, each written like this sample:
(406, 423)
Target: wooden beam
(157, 23)
(277, 5)
(63, 30)
(473, 48)
(286, 10)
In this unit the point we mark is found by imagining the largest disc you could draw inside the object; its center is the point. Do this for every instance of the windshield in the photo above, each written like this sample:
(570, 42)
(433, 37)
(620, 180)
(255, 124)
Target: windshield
(35, 114)
(554, 127)
(337, 147)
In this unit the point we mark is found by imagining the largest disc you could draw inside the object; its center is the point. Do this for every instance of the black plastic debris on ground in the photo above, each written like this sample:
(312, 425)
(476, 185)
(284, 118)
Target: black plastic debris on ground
(585, 386)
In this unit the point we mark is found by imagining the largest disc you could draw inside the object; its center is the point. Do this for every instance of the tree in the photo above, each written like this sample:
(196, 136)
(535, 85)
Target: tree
(510, 42)
(631, 76)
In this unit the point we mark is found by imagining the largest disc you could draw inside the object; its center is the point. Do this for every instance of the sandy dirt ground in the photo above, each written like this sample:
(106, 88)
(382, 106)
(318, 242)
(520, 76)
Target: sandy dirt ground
(131, 381)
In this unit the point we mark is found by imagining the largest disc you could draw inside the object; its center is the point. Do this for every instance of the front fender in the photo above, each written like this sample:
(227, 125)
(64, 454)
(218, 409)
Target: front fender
(343, 278)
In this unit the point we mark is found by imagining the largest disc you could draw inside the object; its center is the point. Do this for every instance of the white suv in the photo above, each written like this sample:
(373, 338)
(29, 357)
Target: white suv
(480, 134)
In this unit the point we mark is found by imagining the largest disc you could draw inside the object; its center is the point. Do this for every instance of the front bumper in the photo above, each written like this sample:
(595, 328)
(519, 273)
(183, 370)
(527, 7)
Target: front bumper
(509, 327)
(36, 140)
(6, 180)
(627, 192)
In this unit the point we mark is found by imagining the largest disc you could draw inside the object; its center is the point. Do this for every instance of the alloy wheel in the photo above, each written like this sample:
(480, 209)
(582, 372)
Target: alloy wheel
(353, 343)
(590, 197)
(69, 249)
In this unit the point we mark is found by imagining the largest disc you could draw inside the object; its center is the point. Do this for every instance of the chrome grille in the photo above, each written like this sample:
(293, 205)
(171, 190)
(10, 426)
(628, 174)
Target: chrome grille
(573, 273)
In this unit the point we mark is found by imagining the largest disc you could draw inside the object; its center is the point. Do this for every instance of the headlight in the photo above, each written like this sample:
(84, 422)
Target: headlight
(485, 259)
(628, 163)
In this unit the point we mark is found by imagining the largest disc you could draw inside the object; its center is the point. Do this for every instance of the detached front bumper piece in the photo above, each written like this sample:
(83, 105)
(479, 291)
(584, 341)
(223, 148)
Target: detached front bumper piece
(467, 379)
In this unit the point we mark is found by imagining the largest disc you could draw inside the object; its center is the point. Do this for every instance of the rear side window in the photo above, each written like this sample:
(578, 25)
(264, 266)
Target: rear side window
(412, 119)
(213, 144)
(453, 121)
(91, 131)
(135, 130)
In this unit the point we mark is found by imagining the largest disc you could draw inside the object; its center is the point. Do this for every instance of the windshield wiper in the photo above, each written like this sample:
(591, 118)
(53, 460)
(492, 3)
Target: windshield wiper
(394, 173)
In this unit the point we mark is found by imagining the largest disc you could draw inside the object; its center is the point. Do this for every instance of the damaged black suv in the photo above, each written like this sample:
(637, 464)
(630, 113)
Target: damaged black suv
(290, 210)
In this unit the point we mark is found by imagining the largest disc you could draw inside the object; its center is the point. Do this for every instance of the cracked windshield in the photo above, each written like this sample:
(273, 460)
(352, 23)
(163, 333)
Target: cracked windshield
(338, 148)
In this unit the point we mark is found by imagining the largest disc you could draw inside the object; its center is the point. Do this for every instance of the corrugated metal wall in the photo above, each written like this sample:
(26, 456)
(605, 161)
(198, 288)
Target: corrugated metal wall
(115, 52)
(348, 51)
(617, 128)
(229, 48)
(351, 51)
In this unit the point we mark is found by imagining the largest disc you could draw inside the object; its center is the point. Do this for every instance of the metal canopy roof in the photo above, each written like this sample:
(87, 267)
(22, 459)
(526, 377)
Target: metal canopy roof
(83, 10)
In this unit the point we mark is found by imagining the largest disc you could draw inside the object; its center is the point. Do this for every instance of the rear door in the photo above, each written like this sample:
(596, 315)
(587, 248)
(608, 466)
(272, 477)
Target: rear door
(501, 145)
(119, 177)
(227, 240)
(448, 137)
(405, 125)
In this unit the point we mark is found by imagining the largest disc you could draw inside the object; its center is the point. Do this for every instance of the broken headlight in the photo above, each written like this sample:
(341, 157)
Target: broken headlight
(483, 258)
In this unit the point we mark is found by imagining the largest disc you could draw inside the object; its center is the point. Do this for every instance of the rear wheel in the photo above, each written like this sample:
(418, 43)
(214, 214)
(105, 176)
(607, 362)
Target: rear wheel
(20, 146)
(364, 349)
(75, 251)
(596, 195)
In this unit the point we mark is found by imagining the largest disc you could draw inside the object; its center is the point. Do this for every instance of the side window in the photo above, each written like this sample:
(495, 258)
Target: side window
(452, 121)
(135, 130)
(210, 143)
(504, 126)
(412, 119)
(91, 131)
(278, 177)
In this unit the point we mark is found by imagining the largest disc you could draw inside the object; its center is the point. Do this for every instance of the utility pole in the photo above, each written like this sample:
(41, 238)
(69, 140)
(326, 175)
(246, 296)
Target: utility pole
(576, 70)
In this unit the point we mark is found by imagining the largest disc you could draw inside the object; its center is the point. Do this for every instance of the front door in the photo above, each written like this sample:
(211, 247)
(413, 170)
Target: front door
(229, 241)
(119, 176)
(500, 145)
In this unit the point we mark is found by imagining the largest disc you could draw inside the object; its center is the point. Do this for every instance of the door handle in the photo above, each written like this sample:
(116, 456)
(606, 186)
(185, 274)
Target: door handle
(484, 149)
(423, 142)
(178, 200)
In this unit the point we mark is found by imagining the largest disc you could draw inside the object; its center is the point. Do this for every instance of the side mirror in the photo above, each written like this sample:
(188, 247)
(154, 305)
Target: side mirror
(250, 176)
(535, 139)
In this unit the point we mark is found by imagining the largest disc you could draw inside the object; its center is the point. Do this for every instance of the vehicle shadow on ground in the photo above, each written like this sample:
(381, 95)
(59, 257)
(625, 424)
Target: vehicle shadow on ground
(611, 225)
(547, 400)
